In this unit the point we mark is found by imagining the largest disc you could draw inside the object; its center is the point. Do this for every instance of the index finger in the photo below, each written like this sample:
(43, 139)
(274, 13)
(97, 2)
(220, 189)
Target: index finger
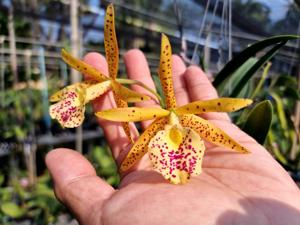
(113, 131)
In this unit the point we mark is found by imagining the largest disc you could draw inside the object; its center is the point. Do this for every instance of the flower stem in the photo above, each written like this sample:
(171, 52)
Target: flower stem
(136, 82)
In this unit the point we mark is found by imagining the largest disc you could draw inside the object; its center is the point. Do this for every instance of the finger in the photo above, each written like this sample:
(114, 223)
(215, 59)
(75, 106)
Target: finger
(137, 69)
(113, 131)
(200, 88)
(178, 69)
(77, 186)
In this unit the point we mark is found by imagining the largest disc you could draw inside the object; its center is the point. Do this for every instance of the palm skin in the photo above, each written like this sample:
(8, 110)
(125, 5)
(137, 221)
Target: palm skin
(233, 188)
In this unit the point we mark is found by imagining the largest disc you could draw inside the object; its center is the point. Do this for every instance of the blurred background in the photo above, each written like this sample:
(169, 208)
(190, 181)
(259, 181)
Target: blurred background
(208, 33)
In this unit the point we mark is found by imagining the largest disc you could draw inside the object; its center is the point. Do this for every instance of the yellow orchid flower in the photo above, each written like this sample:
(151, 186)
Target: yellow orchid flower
(70, 106)
(174, 140)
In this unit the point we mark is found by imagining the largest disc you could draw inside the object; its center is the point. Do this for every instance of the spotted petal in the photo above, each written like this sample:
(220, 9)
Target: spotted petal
(69, 111)
(94, 91)
(123, 104)
(165, 72)
(214, 105)
(210, 132)
(82, 67)
(127, 94)
(110, 42)
(178, 156)
(132, 114)
(140, 147)
(59, 95)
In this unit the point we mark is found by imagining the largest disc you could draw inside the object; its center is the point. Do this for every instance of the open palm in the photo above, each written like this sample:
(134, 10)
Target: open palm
(233, 188)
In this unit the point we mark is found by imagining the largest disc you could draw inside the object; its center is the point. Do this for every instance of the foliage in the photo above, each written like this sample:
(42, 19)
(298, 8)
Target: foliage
(101, 158)
(237, 79)
(37, 204)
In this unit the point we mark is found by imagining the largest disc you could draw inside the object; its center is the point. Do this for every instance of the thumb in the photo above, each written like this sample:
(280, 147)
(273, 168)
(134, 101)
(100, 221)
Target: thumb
(77, 186)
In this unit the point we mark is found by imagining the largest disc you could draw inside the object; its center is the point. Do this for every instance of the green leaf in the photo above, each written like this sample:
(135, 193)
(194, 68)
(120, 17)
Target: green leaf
(1, 179)
(251, 51)
(280, 113)
(12, 210)
(261, 81)
(226, 87)
(284, 80)
(259, 121)
(255, 68)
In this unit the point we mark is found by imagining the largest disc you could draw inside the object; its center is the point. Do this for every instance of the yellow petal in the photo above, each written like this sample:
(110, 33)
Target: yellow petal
(57, 96)
(165, 72)
(140, 147)
(82, 67)
(210, 132)
(96, 90)
(70, 111)
(132, 114)
(176, 161)
(122, 104)
(127, 94)
(110, 42)
(214, 105)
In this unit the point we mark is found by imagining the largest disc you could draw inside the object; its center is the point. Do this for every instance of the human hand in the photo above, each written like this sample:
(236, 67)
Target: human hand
(233, 188)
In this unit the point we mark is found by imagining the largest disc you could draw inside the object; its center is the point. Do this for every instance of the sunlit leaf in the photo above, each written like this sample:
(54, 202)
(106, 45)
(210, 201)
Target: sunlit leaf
(226, 87)
(251, 51)
(264, 59)
(11, 209)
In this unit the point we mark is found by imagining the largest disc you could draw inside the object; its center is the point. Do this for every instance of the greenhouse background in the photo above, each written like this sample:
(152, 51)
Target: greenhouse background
(208, 33)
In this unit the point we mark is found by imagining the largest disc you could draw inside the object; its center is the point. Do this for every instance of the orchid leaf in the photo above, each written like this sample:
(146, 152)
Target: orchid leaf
(132, 114)
(110, 42)
(165, 72)
(251, 51)
(177, 159)
(237, 89)
(82, 67)
(226, 87)
(214, 105)
(258, 121)
(140, 147)
(211, 133)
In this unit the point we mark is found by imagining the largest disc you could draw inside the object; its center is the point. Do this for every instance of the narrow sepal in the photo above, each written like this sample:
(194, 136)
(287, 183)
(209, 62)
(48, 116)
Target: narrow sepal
(132, 114)
(110, 42)
(211, 133)
(214, 105)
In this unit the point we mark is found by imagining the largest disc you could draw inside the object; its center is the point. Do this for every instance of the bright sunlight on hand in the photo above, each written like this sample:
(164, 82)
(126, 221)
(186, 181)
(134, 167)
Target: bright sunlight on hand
(233, 189)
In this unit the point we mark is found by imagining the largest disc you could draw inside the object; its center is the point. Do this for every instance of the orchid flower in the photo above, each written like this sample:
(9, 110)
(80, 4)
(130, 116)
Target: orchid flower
(174, 140)
(71, 101)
